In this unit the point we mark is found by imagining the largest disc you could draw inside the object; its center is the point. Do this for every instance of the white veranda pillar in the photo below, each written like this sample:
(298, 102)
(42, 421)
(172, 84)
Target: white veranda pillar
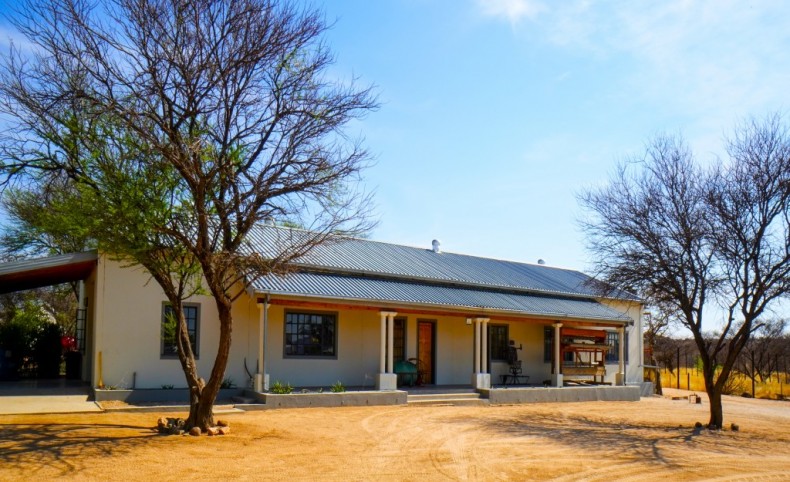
(387, 379)
(620, 377)
(261, 381)
(481, 378)
(484, 349)
(556, 377)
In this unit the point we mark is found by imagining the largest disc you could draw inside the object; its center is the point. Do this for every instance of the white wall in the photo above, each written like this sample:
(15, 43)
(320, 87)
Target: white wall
(126, 307)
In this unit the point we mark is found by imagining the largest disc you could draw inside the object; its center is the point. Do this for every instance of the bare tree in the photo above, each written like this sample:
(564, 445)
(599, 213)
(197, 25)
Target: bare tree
(686, 237)
(190, 121)
(759, 356)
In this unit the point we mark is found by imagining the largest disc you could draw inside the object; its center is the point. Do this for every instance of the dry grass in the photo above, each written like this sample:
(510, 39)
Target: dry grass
(774, 388)
(646, 440)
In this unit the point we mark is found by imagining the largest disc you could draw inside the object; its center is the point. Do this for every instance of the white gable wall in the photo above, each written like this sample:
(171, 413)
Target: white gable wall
(128, 315)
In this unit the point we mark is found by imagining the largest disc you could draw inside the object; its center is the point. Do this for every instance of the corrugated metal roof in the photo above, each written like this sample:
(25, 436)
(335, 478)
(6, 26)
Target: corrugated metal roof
(34, 273)
(330, 286)
(359, 256)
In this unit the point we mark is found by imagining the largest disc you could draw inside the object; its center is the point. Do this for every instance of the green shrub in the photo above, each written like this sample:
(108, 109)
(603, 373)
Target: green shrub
(281, 389)
(337, 387)
(227, 382)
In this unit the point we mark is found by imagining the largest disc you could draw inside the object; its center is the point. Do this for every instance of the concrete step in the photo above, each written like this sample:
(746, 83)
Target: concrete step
(466, 399)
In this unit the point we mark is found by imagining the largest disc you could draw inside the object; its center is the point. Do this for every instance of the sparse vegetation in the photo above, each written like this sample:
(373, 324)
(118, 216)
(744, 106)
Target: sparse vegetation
(280, 389)
(775, 387)
(337, 387)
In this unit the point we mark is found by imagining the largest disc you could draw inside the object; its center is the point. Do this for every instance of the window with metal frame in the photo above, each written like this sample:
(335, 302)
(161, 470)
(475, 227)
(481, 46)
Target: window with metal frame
(169, 346)
(310, 334)
(548, 346)
(399, 339)
(613, 340)
(498, 338)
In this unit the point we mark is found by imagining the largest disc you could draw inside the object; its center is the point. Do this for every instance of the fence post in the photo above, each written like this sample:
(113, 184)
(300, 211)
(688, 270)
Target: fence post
(678, 365)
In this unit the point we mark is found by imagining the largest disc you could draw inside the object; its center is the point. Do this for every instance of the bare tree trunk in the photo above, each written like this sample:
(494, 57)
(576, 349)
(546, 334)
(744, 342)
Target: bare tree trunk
(201, 410)
(658, 389)
(716, 410)
(713, 389)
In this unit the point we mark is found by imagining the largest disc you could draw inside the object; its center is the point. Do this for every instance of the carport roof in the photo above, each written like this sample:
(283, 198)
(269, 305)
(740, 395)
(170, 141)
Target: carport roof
(34, 273)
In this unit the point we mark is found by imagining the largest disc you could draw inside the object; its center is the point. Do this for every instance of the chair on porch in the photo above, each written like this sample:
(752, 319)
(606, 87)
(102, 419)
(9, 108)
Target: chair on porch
(516, 375)
(420, 370)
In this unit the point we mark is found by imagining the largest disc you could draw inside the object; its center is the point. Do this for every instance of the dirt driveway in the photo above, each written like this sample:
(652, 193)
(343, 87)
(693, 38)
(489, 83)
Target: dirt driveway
(646, 440)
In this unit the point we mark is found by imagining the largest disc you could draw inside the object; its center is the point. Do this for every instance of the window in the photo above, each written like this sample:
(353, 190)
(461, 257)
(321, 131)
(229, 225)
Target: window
(548, 343)
(169, 347)
(548, 346)
(498, 342)
(399, 339)
(310, 335)
(613, 355)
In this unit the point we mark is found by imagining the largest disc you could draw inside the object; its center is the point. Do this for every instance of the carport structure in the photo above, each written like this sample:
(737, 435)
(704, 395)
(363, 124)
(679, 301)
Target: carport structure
(40, 272)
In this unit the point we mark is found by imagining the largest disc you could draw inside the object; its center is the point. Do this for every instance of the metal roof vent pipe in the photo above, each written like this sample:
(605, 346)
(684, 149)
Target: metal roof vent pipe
(436, 243)
(541, 262)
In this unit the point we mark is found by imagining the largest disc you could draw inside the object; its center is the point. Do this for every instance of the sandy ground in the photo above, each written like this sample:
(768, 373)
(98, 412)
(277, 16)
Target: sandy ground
(646, 440)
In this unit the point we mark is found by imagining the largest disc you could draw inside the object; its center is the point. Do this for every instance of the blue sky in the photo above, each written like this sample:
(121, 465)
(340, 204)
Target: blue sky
(496, 113)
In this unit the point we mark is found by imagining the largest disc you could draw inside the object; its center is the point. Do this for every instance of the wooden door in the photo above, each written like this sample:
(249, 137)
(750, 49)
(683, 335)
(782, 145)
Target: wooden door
(426, 350)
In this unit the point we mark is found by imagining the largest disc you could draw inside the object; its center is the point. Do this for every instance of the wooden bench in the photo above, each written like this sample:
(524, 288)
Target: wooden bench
(587, 371)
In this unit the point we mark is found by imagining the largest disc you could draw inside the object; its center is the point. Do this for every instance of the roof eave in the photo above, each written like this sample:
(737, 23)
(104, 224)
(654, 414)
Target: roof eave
(472, 310)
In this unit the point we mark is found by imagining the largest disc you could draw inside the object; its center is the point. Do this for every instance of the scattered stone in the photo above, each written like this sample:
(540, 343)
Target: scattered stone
(194, 431)
(224, 430)
(698, 425)
(170, 426)
(734, 427)
(212, 431)
(222, 423)
(746, 395)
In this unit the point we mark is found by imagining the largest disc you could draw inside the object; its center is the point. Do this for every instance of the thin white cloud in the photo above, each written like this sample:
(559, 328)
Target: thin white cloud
(512, 10)
(11, 36)
(706, 62)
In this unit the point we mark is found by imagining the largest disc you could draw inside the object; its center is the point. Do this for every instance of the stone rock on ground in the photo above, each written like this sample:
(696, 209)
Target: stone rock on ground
(194, 431)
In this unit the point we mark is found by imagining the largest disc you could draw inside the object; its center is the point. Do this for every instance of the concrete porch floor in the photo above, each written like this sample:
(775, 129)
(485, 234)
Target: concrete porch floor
(45, 396)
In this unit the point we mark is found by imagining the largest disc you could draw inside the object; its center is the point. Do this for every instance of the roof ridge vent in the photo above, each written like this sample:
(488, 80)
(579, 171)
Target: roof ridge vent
(436, 246)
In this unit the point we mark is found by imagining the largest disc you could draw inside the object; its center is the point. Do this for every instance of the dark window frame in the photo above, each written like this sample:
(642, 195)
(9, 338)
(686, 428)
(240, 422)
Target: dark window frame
(612, 339)
(288, 352)
(168, 350)
(399, 344)
(548, 347)
(498, 354)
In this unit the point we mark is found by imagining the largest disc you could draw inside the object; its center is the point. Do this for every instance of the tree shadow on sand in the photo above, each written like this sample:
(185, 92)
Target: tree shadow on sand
(587, 434)
(66, 447)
